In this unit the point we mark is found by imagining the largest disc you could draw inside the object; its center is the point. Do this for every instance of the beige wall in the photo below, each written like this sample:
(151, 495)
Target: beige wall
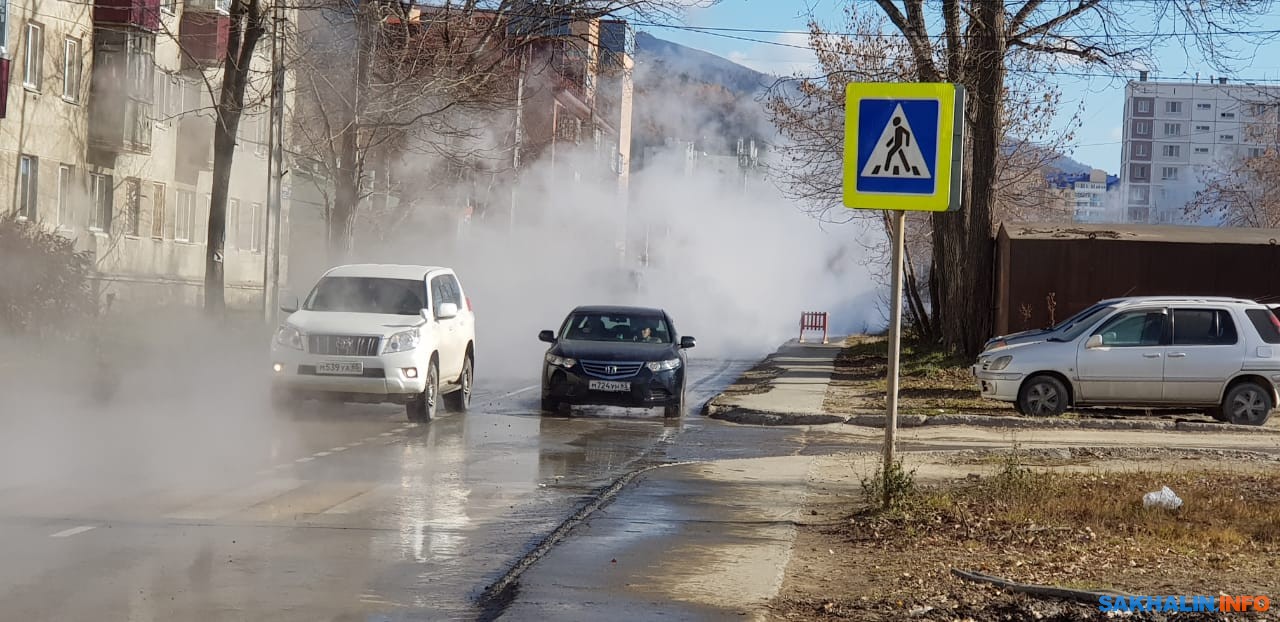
(140, 269)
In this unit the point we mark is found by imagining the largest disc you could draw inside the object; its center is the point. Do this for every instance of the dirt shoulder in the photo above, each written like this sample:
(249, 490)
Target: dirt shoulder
(1066, 517)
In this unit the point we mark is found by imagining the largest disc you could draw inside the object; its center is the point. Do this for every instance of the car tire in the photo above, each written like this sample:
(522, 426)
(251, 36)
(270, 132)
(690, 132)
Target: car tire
(460, 400)
(550, 406)
(1042, 396)
(1247, 403)
(676, 410)
(421, 408)
(1217, 413)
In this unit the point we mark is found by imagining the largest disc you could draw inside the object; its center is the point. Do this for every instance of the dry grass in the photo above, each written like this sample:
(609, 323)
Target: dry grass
(1077, 530)
(931, 380)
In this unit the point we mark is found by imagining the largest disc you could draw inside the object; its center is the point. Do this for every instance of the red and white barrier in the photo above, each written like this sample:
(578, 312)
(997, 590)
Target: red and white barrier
(815, 321)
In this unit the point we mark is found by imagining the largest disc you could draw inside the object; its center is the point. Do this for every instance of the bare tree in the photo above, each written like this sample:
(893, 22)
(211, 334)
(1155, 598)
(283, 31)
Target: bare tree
(973, 47)
(384, 79)
(809, 111)
(1244, 190)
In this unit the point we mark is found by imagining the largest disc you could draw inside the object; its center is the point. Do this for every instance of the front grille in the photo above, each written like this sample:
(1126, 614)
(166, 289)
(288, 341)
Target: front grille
(611, 370)
(369, 372)
(343, 345)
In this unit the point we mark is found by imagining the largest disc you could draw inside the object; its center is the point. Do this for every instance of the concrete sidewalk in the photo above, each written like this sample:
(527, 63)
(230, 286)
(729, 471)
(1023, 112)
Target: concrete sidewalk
(791, 391)
(705, 541)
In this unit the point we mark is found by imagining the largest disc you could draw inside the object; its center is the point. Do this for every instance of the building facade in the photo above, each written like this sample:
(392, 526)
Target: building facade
(106, 134)
(1088, 195)
(1175, 132)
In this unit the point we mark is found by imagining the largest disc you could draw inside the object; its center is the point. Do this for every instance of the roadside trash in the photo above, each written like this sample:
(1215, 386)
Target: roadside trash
(1164, 498)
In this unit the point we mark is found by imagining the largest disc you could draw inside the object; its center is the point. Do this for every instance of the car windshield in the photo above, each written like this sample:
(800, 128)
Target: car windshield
(352, 294)
(624, 327)
(1073, 327)
(1071, 320)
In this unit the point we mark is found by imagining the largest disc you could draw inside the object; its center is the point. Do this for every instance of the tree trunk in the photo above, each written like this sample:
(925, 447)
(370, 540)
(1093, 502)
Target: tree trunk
(965, 254)
(247, 28)
(346, 204)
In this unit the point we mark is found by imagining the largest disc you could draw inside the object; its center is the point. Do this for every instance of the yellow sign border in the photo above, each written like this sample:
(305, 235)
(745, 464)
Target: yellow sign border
(940, 200)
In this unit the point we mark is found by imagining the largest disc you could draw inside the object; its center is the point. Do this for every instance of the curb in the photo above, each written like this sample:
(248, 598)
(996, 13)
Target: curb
(495, 597)
(748, 416)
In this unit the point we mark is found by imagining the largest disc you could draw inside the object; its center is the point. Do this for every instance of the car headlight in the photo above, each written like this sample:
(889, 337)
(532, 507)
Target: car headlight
(402, 341)
(1000, 363)
(560, 361)
(664, 365)
(289, 336)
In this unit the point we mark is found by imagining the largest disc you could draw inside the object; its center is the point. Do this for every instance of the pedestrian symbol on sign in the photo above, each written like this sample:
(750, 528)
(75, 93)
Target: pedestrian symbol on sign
(897, 154)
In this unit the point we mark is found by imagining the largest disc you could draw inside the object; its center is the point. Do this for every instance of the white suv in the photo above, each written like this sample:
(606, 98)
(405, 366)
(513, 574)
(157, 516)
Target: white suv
(1222, 354)
(379, 333)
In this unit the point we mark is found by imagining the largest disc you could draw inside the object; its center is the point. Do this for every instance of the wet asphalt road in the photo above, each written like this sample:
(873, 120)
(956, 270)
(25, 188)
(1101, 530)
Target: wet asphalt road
(333, 513)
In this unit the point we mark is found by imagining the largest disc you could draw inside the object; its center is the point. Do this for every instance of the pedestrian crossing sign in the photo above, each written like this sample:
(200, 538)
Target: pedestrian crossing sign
(903, 146)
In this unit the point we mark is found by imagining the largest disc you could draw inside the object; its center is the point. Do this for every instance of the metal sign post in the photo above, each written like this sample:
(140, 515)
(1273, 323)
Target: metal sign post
(903, 152)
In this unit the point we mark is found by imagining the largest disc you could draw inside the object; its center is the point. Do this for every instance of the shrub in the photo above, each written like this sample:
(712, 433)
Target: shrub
(44, 281)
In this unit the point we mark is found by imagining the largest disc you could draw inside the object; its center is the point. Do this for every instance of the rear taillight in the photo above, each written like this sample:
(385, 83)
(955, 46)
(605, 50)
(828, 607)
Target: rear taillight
(469, 307)
(1275, 323)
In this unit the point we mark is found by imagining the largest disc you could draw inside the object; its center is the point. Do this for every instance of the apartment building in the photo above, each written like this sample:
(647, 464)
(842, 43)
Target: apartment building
(106, 130)
(1176, 132)
(1088, 195)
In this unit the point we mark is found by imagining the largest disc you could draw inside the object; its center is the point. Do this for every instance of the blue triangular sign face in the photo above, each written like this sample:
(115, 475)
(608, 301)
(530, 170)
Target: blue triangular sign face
(898, 146)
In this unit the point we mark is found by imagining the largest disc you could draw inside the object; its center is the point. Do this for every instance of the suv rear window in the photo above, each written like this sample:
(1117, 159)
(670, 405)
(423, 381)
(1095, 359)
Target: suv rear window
(1265, 322)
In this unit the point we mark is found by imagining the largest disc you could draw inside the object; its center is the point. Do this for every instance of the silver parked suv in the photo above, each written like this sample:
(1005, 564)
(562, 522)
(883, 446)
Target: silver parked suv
(1222, 354)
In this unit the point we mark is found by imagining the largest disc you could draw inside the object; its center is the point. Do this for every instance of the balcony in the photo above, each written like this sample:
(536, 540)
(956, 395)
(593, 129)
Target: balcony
(144, 14)
(204, 38)
(121, 91)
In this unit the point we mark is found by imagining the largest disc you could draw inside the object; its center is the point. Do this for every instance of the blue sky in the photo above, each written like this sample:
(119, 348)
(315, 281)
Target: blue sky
(1097, 141)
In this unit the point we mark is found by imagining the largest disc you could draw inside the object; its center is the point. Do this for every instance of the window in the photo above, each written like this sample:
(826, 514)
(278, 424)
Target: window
(260, 134)
(1258, 109)
(184, 218)
(1140, 172)
(1140, 194)
(1227, 137)
(168, 6)
(72, 59)
(101, 202)
(157, 211)
(133, 205)
(66, 174)
(1173, 107)
(28, 185)
(1172, 129)
(615, 327)
(1228, 115)
(1133, 329)
(1204, 106)
(138, 125)
(1169, 173)
(1255, 152)
(367, 295)
(33, 58)
(255, 220)
(141, 65)
(1266, 323)
(236, 237)
(1171, 151)
(4, 28)
(1203, 128)
(1141, 150)
(1144, 105)
(1203, 327)
(1142, 128)
(1202, 150)
(168, 95)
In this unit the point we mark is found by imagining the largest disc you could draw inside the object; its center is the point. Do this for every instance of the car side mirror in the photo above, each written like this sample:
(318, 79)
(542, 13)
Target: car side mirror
(547, 336)
(289, 304)
(688, 342)
(1094, 342)
(426, 314)
(447, 311)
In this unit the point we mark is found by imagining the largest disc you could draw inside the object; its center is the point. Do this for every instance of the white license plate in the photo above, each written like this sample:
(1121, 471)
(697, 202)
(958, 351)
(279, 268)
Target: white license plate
(608, 385)
(343, 368)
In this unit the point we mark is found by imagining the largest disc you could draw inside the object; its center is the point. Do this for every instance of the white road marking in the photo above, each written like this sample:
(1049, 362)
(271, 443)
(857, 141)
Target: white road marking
(337, 449)
(519, 391)
(387, 434)
(67, 533)
(355, 444)
(306, 459)
(321, 454)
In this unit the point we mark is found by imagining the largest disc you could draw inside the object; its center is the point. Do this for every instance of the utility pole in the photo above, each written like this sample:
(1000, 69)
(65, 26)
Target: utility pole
(275, 173)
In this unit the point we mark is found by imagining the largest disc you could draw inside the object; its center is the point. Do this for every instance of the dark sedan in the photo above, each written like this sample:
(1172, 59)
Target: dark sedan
(615, 356)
